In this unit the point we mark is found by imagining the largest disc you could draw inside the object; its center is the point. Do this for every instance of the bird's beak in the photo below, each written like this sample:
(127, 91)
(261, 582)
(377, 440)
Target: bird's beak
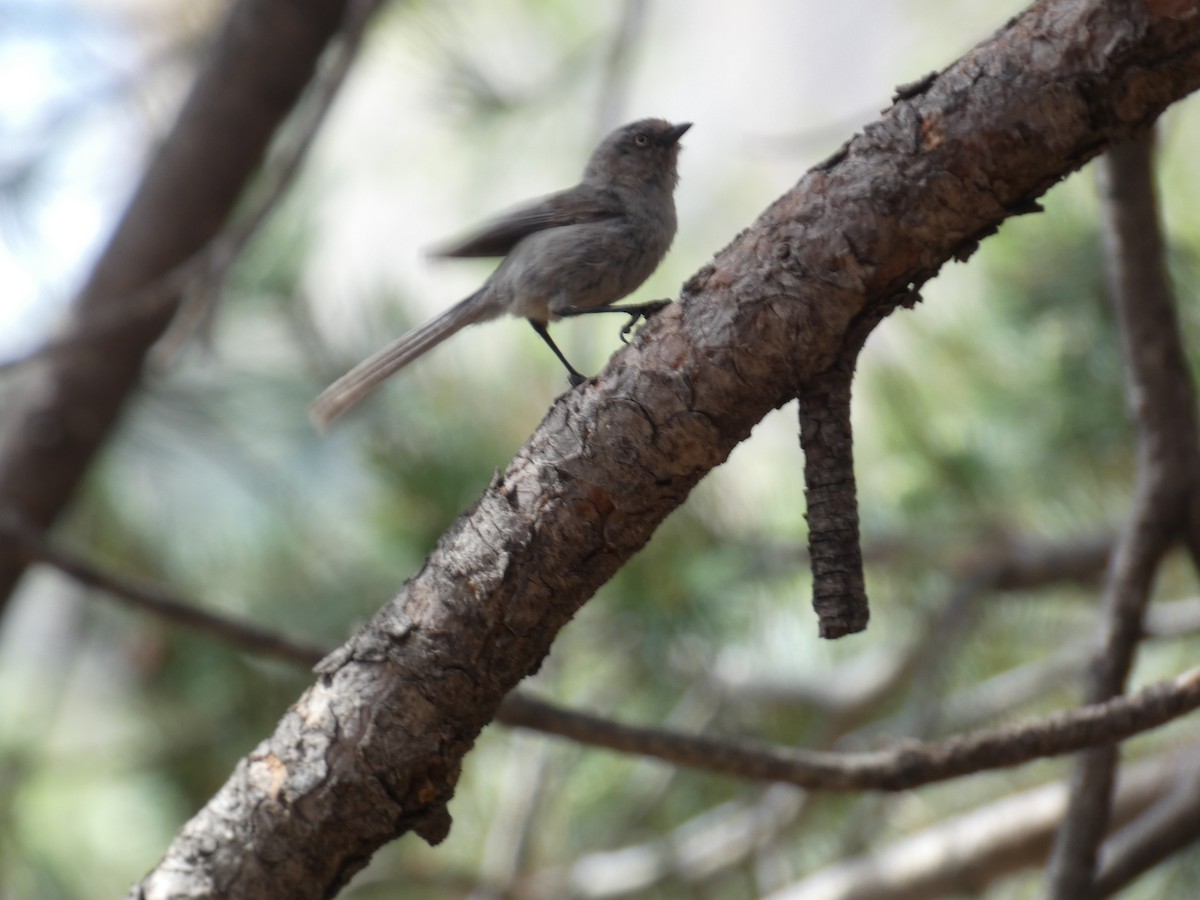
(673, 135)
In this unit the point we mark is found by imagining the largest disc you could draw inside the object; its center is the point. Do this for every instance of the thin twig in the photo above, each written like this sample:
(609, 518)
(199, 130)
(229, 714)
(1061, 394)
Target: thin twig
(157, 601)
(909, 765)
(1163, 403)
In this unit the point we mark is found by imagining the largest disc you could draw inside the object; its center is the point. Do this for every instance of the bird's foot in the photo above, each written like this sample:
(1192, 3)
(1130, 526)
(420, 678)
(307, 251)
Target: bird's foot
(639, 312)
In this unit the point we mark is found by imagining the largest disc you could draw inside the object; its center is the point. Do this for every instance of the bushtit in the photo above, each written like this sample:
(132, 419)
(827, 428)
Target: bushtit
(575, 252)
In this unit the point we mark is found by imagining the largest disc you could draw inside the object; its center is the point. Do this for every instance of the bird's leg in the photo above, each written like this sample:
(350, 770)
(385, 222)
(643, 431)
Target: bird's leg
(573, 376)
(635, 311)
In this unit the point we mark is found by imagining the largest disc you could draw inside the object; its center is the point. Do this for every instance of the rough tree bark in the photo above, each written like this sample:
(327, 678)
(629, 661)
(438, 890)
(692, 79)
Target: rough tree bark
(373, 749)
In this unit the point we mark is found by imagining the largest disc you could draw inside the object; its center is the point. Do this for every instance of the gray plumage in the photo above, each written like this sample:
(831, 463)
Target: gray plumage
(570, 253)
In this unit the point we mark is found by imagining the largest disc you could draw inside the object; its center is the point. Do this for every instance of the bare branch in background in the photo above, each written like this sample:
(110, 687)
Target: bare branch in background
(958, 855)
(191, 287)
(65, 408)
(296, 137)
(153, 600)
(1163, 403)
(907, 766)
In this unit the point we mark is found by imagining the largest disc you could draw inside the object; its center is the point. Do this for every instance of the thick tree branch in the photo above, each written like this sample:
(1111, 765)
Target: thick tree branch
(1163, 403)
(69, 402)
(374, 748)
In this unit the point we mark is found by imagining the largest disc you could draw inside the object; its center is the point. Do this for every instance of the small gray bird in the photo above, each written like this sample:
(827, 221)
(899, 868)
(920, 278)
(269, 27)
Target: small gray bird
(574, 252)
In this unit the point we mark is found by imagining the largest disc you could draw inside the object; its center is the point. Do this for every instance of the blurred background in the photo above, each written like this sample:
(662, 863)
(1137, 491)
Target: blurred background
(990, 422)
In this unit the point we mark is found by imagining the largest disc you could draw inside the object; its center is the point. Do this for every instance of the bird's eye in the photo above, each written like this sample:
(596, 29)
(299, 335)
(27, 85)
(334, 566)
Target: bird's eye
(641, 140)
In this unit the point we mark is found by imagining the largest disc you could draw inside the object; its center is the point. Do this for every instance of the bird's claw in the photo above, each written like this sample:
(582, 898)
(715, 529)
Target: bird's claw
(644, 311)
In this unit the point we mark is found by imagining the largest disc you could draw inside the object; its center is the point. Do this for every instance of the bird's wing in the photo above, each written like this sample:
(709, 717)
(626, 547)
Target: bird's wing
(575, 206)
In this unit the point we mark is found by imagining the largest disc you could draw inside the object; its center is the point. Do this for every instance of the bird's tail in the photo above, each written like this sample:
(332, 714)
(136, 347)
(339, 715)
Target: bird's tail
(349, 390)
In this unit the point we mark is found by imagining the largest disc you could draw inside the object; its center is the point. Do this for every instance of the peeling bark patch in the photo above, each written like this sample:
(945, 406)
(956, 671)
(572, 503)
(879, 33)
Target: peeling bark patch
(272, 779)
